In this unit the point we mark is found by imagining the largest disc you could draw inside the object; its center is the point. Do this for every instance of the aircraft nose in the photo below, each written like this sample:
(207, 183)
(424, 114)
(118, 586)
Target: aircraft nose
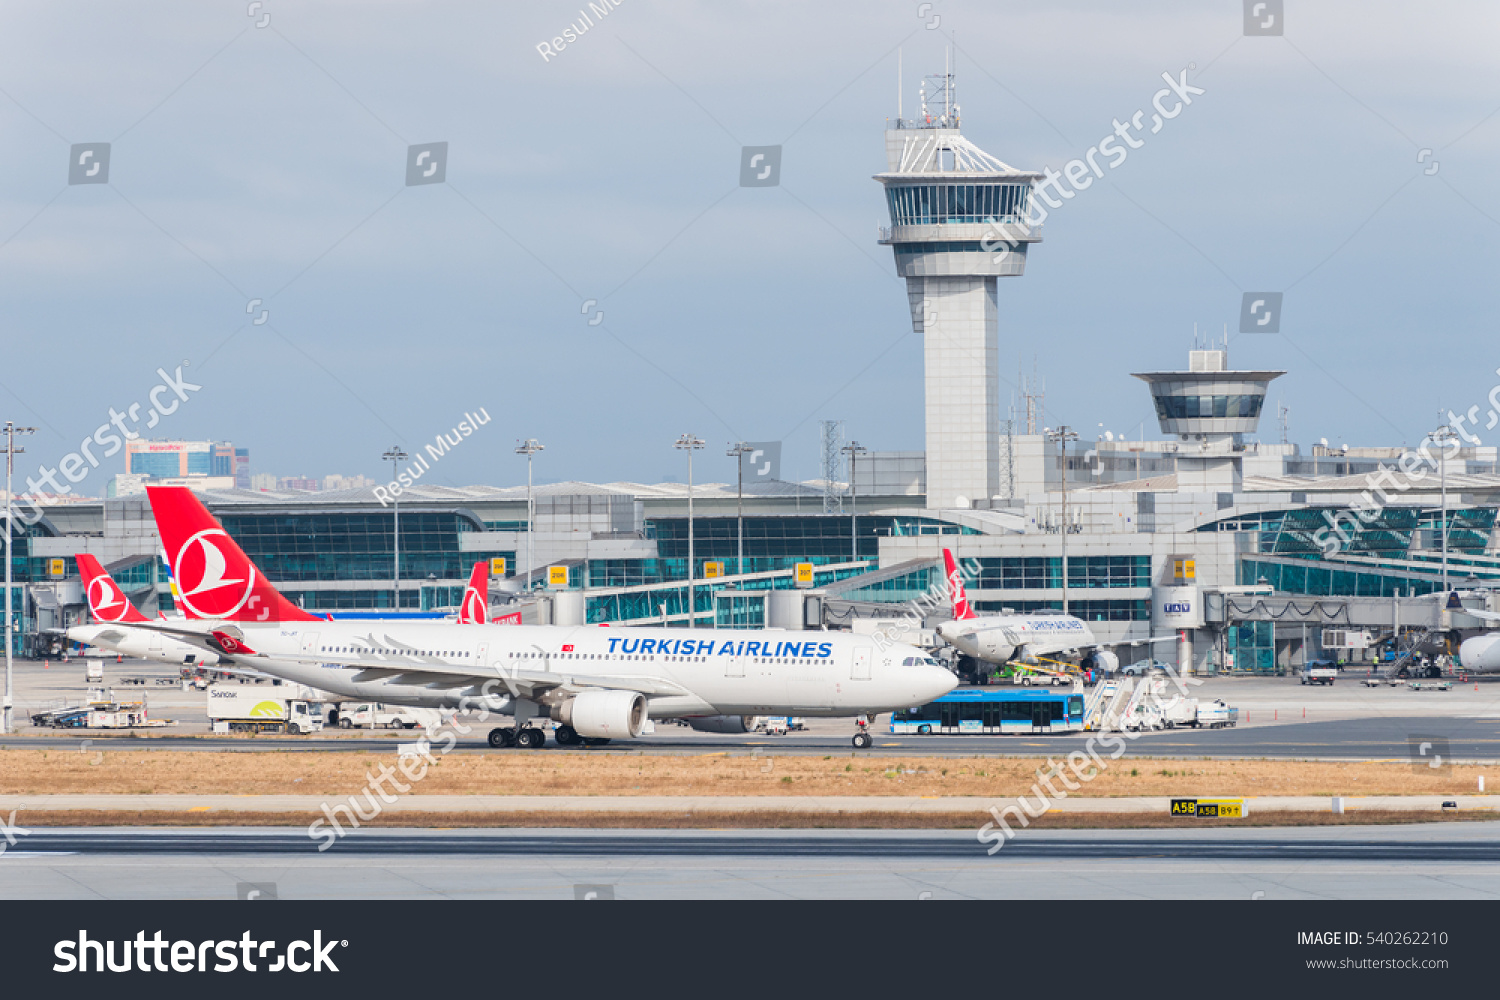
(933, 682)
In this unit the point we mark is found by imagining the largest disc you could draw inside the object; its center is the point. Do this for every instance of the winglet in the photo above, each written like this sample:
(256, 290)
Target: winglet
(961, 609)
(107, 602)
(475, 609)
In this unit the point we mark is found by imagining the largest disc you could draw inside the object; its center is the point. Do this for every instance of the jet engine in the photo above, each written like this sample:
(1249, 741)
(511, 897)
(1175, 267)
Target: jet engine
(1102, 659)
(604, 714)
(723, 723)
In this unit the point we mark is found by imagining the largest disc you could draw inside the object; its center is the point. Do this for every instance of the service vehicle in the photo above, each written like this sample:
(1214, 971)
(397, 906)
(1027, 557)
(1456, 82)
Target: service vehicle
(375, 715)
(239, 708)
(1216, 715)
(1319, 672)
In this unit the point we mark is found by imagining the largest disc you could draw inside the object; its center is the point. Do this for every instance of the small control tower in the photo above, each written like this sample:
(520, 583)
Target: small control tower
(1209, 409)
(958, 222)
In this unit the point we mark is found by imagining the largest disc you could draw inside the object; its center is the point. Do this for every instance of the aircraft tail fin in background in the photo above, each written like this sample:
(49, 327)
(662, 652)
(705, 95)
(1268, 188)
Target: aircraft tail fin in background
(961, 609)
(107, 602)
(475, 609)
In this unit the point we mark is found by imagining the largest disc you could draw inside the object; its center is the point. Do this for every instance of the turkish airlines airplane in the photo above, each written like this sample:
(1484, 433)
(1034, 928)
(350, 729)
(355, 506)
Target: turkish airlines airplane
(1020, 638)
(597, 683)
(113, 617)
(114, 614)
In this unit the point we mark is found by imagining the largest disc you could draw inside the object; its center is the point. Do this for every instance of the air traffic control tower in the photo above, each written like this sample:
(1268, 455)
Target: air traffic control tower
(958, 222)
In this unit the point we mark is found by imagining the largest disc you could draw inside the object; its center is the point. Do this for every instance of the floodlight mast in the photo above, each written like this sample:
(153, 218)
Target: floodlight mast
(690, 443)
(530, 447)
(11, 451)
(395, 456)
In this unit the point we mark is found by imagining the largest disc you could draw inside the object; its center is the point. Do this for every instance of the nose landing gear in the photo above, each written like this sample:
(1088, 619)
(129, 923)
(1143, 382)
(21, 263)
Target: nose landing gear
(862, 739)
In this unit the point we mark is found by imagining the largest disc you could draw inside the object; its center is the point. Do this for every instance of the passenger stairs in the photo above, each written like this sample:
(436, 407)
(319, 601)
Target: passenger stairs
(1410, 656)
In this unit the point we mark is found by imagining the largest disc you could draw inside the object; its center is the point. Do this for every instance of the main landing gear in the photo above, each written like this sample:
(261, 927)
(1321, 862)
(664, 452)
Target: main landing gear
(527, 738)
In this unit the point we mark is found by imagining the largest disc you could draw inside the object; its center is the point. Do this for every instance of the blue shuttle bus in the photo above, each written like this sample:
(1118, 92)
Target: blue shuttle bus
(994, 710)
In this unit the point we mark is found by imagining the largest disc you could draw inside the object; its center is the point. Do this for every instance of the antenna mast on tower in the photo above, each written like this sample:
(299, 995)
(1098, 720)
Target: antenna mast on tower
(1033, 393)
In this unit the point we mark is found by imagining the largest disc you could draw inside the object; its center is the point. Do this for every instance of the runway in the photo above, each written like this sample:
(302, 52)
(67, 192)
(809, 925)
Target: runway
(1251, 844)
(1418, 861)
(1374, 738)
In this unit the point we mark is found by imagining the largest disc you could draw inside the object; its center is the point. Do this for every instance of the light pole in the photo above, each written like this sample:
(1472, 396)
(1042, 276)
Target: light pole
(11, 451)
(738, 452)
(528, 448)
(395, 456)
(1442, 436)
(690, 443)
(853, 449)
(1062, 435)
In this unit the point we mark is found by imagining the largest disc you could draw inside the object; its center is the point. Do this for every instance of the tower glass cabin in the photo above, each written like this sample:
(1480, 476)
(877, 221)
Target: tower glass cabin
(958, 222)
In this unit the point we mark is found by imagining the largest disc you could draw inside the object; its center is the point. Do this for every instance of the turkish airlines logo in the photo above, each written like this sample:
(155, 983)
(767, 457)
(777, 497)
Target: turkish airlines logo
(106, 601)
(956, 588)
(474, 607)
(200, 569)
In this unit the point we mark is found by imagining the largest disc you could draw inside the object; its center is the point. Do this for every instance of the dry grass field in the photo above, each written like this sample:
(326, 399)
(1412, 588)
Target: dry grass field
(557, 772)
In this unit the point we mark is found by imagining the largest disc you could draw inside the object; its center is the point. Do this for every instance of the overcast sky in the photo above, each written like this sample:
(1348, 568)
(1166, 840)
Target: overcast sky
(269, 163)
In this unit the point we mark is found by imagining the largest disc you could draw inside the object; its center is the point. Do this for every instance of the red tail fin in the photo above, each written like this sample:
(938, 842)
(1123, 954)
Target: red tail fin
(107, 602)
(961, 609)
(475, 609)
(215, 579)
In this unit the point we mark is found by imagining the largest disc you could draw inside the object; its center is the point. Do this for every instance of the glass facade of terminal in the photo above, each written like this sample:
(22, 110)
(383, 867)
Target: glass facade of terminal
(297, 548)
(778, 542)
(1390, 532)
(24, 567)
(649, 603)
(931, 204)
(1122, 610)
(1045, 572)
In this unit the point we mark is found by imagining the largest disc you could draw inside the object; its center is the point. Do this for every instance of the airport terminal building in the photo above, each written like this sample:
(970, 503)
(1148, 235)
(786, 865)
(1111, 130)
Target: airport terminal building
(1248, 552)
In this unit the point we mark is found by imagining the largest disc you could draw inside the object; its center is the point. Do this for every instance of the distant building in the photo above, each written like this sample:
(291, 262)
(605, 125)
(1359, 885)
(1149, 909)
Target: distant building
(303, 483)
(169, 459)
(242, 468)
(263, 482)
(338, 482)
(126, 484)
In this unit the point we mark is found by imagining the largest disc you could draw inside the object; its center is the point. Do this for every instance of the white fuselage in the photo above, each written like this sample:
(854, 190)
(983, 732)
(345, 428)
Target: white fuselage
(720, 672)
(142, 643)
(1002, 638)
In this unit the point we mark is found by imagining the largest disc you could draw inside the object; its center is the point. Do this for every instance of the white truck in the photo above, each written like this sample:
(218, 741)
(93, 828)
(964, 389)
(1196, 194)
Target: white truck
(1319, 672)
(241, 708)
(1216, 715)
(374, 715)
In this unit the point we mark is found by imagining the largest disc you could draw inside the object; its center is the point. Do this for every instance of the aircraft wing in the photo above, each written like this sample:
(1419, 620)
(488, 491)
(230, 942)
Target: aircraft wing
(519, 682)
